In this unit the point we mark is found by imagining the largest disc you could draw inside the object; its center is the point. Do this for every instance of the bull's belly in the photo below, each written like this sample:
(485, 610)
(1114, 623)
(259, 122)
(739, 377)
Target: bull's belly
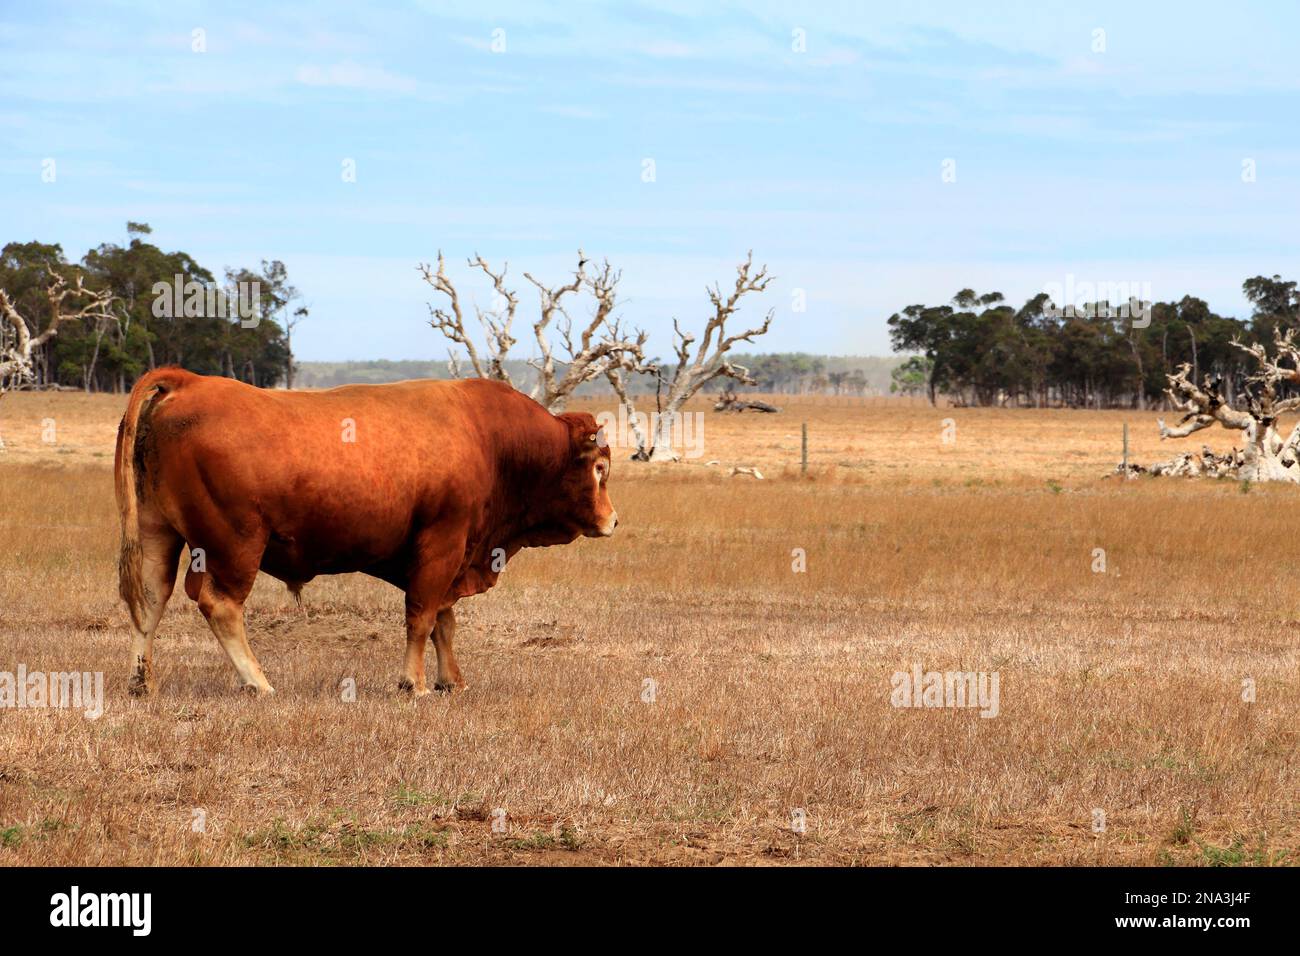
(293, 560)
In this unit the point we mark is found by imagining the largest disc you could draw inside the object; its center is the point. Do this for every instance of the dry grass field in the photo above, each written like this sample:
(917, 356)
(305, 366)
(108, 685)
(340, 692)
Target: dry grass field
(1120, 691)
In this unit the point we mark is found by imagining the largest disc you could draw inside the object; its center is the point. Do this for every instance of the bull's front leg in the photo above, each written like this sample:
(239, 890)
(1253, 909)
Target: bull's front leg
(417, 636)
(428, 584)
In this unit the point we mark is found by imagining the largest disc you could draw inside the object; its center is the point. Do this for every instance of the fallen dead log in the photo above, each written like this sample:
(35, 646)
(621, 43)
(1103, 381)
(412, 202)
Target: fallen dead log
(1265, 454)
(730, 403)
(1207, 464)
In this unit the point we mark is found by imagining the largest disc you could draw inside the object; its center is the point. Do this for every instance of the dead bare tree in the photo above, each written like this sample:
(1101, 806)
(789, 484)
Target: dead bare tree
(600, 343)
(21, 342)
(694, 369)
(1265, 455)
(599, 346)
(20, 339)
(496, 322)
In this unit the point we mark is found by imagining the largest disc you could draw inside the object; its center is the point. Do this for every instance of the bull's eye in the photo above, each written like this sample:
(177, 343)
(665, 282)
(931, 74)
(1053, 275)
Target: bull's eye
(592, 438)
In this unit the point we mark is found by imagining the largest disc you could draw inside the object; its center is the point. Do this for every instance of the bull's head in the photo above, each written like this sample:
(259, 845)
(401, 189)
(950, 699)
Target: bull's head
(586, 503)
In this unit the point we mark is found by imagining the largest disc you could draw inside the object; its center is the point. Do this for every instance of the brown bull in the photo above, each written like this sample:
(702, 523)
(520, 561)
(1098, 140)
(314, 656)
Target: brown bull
(430, 486)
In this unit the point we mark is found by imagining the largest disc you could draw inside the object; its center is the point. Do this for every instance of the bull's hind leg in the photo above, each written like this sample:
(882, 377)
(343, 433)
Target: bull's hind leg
(443, 634)
(160, 549)
(223, 606)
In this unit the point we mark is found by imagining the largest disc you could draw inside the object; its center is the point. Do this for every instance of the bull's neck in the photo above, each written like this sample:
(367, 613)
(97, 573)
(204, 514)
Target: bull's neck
(530, 471)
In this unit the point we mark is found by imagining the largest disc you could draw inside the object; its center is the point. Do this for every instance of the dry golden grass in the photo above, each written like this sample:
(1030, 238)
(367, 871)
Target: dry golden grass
(1119, 691)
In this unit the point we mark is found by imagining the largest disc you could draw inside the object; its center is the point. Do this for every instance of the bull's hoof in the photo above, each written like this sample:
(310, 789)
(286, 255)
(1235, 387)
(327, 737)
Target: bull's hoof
(408, 687)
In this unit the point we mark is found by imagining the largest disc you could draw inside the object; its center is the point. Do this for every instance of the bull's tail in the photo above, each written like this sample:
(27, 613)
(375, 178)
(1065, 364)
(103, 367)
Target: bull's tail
(130, 559)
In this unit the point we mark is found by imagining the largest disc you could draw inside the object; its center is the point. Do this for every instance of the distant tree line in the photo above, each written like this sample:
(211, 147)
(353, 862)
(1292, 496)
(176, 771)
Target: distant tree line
(791, 373)
(798, 373)
(109, 349)
(979, 350)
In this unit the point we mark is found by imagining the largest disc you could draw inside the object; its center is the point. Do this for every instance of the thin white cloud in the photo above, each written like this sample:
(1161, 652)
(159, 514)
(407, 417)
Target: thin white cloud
(574, 112)
(354, 76)
(668, 49)
(483, 44)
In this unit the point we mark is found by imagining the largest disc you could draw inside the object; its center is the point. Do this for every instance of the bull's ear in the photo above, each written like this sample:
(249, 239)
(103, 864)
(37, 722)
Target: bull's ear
(585, 436)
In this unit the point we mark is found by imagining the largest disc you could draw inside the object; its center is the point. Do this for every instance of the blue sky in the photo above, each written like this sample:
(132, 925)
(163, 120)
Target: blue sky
(1122, 164)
